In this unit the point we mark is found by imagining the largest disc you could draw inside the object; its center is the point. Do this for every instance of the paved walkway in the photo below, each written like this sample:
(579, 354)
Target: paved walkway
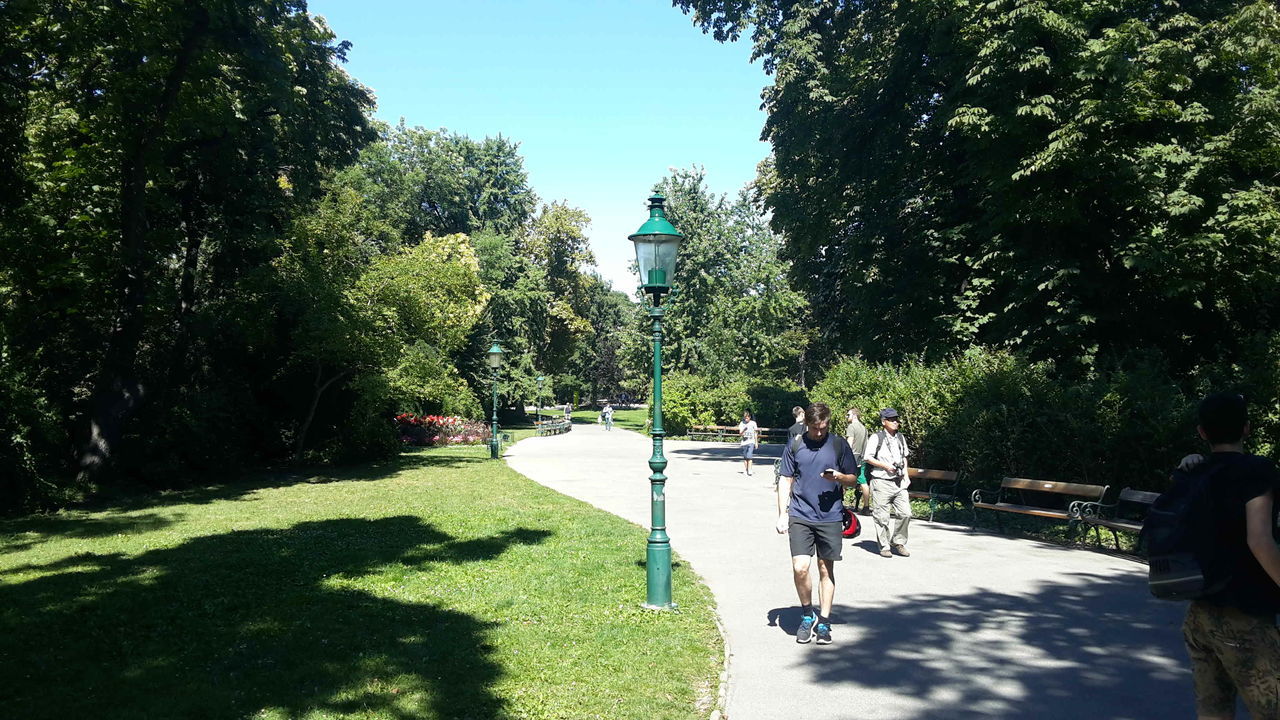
(973, 625)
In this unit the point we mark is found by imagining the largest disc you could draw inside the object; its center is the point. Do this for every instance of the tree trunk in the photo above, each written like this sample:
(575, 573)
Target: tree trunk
(311, 414)
(117, 390)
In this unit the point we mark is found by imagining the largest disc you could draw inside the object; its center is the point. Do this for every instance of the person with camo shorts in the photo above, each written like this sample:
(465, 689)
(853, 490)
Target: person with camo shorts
(1232, 634)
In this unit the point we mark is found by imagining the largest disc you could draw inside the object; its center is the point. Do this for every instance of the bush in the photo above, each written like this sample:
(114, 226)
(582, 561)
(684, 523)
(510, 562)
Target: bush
(991, 413)
(689, 400)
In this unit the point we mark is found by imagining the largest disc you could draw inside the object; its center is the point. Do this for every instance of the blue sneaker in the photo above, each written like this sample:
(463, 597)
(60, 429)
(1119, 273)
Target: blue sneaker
(804, 633)
(823, 631)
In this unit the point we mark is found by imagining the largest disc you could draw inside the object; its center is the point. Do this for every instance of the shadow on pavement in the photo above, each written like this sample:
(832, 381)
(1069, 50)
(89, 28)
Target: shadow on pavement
(232, 625)
(1086, 646)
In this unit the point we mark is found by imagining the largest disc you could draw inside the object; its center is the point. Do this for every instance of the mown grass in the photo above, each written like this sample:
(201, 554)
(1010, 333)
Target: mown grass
(637, 419)
(437, 585)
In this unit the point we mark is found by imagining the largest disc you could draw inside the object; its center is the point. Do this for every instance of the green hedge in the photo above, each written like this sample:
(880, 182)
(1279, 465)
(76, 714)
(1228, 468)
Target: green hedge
(689, 400)
(990, 414)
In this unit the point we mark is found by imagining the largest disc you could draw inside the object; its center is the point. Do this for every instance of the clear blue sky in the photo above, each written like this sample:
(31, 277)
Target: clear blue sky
(603, 96)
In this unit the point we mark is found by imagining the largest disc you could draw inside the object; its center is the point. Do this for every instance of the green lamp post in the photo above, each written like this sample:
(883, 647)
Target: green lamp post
(657, 242)
(495, 362)
(540, 381)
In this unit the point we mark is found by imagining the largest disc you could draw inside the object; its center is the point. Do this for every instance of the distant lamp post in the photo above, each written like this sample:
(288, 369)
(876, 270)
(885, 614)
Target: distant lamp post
(495, 362)
(657, 242)
(539, 412)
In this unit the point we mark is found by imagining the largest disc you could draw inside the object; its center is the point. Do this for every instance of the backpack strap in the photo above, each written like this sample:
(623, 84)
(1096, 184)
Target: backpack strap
(880, 436)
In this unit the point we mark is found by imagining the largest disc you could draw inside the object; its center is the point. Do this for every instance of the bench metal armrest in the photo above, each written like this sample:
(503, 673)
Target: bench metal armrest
(982, 495)
(1090, 509)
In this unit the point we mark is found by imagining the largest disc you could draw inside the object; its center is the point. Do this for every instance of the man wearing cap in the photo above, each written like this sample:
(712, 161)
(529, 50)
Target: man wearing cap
(887, 454)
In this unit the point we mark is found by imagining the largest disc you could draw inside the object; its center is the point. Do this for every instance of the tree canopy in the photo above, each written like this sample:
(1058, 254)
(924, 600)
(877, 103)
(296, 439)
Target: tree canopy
(1073, 179)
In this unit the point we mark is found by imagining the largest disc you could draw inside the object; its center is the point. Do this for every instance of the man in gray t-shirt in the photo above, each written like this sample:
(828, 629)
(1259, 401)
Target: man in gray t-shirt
(816, 467)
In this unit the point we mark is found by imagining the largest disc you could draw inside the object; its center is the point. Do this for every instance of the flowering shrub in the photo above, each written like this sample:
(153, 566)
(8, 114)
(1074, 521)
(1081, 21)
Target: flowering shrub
(435, 430)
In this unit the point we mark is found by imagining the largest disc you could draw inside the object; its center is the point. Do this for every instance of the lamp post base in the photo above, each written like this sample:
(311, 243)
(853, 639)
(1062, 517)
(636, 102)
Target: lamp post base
(671, 606)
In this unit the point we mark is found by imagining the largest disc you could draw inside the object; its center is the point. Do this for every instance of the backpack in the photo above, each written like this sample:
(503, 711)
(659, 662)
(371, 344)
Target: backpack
(1181, 536)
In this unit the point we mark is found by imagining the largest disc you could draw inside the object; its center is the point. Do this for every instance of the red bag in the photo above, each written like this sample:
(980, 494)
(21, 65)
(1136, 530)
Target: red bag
(851, 526)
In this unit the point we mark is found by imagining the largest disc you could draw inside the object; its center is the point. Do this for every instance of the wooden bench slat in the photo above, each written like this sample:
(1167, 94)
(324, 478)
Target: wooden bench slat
(1138, 496)
(1049, 486)
(928, 474)
(1128, 525)
(1024, 510)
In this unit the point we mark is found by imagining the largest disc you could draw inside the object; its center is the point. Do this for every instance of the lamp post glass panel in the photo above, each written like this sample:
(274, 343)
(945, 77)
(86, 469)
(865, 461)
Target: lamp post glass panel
(657, 242)
(495, 362)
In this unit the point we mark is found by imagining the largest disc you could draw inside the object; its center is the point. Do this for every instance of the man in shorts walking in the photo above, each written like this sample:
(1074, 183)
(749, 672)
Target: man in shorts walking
(750, 433)
(815, 469)
(1232, 635)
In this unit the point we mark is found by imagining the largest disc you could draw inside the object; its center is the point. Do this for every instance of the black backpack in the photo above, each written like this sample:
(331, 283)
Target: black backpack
(1181, 535)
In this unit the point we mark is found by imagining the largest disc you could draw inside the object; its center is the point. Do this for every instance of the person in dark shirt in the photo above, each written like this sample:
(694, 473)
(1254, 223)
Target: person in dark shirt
(814, 471)
(797, 428)
(1232, 635)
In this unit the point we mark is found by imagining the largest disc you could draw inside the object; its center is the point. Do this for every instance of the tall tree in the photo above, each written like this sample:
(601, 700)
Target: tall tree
(733, 311)
(164, 142)
(1077, 178)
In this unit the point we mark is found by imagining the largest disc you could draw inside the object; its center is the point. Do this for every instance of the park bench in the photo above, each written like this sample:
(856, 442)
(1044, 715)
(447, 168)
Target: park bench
(1127, 513)
(939, 487)
(1039, 498)
(729, 433)
(551, 427)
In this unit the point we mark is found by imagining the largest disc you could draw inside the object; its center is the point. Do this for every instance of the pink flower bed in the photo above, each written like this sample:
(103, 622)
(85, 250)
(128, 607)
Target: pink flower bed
(436, 430)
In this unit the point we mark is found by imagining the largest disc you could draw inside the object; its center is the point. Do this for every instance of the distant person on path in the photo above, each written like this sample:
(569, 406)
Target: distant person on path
(750, 433)
(607, 414)
(815, 469)
(887, 454)
(856, 433)
(568, 413)
(1232, 635)
(797, 428)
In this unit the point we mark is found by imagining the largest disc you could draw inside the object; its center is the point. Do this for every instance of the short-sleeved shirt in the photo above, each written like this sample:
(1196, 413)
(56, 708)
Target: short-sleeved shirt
(795, 429)
(1241, 479)
(813, 497)
(895, 450)
(856, 434)
(749, 430)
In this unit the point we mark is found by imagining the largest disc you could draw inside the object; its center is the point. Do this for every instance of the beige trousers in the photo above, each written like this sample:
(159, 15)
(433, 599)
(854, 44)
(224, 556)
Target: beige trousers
(886, 496)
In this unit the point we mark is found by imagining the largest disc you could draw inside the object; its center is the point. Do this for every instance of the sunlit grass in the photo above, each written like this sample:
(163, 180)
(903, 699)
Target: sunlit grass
(438, 585)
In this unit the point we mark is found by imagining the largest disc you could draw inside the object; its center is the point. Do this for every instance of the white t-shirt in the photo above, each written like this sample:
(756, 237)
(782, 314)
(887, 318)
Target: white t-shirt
(895, 450)
(749, 430)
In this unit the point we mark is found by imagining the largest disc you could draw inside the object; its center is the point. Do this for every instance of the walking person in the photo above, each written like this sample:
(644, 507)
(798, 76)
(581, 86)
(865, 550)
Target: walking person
(856, 433)
(750, 433)
(815, 469)
(887, 454)
(1232, 635)
(607, 414)
(797, 428)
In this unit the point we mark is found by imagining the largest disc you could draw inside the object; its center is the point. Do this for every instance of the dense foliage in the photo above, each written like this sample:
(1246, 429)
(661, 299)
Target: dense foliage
(211, 256)
(733, 312)
(993, 413)
(1072, 179)
(690, 400)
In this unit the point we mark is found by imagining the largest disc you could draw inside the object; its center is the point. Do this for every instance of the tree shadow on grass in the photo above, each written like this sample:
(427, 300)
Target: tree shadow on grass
(226, 626)
(24, 533)
(109, 512)
(1086, 646)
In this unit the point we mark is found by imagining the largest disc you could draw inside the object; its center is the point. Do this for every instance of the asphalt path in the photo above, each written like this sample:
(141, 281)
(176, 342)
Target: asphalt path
(972, 625)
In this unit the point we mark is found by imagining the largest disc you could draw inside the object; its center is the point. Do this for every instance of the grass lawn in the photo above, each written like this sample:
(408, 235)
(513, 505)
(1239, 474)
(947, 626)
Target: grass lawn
(440, 584)
(636, 419)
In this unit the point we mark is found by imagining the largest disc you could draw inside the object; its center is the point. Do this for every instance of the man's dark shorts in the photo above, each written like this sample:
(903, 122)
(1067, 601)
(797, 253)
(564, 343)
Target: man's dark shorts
(808, 536)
